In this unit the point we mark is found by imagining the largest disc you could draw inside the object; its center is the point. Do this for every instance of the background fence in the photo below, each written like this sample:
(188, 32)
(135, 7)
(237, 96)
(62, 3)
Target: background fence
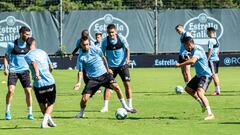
(148, 24)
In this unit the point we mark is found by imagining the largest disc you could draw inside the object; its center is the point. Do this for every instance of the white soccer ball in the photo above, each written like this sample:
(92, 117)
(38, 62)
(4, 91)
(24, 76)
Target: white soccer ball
(121, 114)
(179, 89)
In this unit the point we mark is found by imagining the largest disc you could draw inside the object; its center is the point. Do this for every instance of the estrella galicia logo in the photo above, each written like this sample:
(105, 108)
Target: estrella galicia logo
(198, 28)
(9, 28)
(100, 25)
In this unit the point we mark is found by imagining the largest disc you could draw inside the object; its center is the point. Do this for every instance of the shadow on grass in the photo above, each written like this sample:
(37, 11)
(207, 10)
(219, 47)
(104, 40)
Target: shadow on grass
(16, 127)
(229, 123)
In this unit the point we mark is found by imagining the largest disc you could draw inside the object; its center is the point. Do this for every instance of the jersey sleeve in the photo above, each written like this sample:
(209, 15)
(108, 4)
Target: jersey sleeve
(78, 43)
(124, 41)
(210, 44)
(9, 48)
(197, 54)
(29, 58)
(104, 45)
(79, 65)
(48, 59)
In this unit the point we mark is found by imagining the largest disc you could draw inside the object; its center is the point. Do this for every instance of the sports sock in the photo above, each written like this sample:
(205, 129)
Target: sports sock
(105, 105)
(30, 110)
(8, 108)
(217, 88)
(130, 103)
(123, 103)
(45, 119)
(208, 110)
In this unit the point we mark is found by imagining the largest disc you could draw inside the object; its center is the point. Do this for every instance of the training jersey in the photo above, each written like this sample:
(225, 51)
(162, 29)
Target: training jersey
(42, 60)
(115, 58)
(201, 65)
(213, 43)
(78, 45)
(91, 61)
(182, 50)
(16, 62)
(98, 44)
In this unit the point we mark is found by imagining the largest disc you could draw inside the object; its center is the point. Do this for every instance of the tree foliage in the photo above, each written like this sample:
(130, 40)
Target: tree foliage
(69, 5)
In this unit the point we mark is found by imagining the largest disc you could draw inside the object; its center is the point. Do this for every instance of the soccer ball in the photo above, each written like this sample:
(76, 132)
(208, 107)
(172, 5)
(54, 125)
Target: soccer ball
(179, 89)
(121, 114)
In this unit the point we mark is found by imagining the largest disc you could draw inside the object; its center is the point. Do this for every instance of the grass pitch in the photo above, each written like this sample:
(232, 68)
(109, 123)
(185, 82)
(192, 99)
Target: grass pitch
(160, 110)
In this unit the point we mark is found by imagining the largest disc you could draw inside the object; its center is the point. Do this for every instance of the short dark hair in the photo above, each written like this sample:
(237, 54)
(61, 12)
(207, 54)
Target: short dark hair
(23, 29)
(179, 25)
(98, 33)
(84, 38)
(188, 39)
(211, 29)
(111, 26)
(85, 33)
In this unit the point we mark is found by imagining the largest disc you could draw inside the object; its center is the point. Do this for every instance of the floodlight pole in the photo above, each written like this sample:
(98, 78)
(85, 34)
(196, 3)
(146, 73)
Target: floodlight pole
(156, 29)
(60, 28)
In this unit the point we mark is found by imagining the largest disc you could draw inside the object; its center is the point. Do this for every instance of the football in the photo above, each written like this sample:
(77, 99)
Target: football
(121, 114)
(179, 89)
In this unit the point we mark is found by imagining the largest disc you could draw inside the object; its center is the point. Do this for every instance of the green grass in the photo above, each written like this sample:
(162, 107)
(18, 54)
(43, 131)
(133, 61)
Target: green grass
(160, 110)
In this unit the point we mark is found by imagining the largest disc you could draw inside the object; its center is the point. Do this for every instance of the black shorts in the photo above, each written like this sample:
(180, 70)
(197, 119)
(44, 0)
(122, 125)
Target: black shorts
(199, 82)
(46, 94)
(95, 83)
(181, 59)
(23, 77)
(85, 77)
(123, 72)
(213, 66)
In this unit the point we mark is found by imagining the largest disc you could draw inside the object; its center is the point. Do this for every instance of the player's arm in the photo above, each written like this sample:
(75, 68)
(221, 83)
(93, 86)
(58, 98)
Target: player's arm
(210, 50)
(126, 45)
(73, 53)
(36, 71)
(188, 62)
(5, 62)
(106, 65)
(79, 79)
(49, 64)
(128, 55)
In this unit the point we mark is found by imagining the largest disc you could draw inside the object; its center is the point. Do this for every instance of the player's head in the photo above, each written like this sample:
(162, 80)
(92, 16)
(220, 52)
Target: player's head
(85, 33)
(112, 31)
(24, 33)
(31, 43)
(98, 36)
(211, 32)
(85, 43)
(179, 28)
(189, 43)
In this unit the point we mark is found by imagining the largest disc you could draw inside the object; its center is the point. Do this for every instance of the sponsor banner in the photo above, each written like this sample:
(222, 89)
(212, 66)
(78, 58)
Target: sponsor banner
(144, 61)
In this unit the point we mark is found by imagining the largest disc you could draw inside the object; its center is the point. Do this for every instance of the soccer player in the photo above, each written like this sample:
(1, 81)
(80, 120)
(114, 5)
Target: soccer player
(93, 61)
(44, 83)
(198, 85)
(98, 41)
(213, 52)
(16, 68)
(117, 52)
(183, 54)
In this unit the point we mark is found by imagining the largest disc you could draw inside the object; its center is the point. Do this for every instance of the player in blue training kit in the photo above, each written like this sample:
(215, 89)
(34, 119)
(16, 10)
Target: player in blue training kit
(183, 53)
(198, 85)
(98, 37)
(16, 68)
(213, 58)
(44, 83)
(116, 49)
(92, 60)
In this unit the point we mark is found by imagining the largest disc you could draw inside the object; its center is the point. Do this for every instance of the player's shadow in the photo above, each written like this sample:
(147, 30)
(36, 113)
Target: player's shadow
(154, 118)
(233, 108)
(229, 123)
(16, 127)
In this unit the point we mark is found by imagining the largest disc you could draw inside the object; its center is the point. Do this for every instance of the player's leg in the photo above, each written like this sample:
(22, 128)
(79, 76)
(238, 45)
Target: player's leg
(215, 65)
(26, 84)
(186, 73)
(106, 97)
(12, 80)
(83, 104)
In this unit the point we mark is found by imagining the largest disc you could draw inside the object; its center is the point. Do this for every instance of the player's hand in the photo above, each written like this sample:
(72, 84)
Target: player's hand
(127, 61)
(77, 86)
(70, 56)
(5, 72)
(110, 71)
(178, 65)
(38, 77)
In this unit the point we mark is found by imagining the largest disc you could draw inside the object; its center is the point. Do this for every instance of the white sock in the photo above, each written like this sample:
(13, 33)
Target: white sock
(30, 110)
(208, 110)
(200, 102)
(8, 108)
(123, 103)
(105, 105)
(130, 103)
(50, 120)
(82, 110)
(45, 119)
(217, 88)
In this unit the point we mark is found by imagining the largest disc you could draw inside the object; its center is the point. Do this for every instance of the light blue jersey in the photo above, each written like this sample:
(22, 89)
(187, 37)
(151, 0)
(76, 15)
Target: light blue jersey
(98, 44)
(213, 43)
(201, 65)
(92, 62)
(16, 62)
(42, 60)
(117, 57)
(182, 50)
(79, 45)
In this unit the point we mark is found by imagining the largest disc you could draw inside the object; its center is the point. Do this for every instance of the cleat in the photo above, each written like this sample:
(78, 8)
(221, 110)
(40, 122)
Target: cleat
(103, 110)
(216, 93)
(131, 110)
(80, 115)
(45, 126)
(209, 117)
(8, 116)
(51, 123)
(30, 117)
